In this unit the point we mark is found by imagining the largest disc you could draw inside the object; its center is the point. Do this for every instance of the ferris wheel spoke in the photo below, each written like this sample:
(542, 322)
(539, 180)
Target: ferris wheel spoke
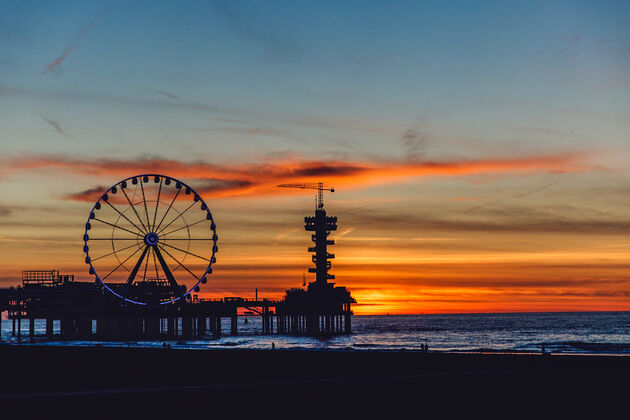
(125, 217)
(111, 253)
(144, 201)
(169, 208)
(180, 264)
(116, 226)
(134, 210)
(120, 265)
(188, 239)
(157, 203)
(186, 252)
(178, 216)
(155, 265)
(114, 239)
(166, 270)
(183, 227)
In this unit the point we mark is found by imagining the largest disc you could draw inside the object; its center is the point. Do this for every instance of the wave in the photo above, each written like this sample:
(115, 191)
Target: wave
(590, 347)
(385, 346)
(367, 345)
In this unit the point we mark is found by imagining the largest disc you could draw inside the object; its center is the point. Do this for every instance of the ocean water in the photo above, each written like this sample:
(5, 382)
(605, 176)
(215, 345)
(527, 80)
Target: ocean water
(576, 332)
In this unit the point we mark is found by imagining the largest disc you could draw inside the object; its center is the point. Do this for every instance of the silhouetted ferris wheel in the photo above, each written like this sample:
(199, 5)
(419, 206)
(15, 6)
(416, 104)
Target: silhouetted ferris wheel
(150, 239)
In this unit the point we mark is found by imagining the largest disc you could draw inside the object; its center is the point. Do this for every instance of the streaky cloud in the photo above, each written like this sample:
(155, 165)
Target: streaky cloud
(91, 194)
(165, 93)
(60, 59)
(55, 125)
(57, 61)
(181, 104)
(260, 179)
(514, 197)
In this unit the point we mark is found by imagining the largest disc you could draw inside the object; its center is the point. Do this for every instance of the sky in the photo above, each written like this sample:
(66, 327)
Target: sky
(479, 150)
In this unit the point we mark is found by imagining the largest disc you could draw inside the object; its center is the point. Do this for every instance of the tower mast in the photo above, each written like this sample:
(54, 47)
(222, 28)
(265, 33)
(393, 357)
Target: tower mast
(321, 225)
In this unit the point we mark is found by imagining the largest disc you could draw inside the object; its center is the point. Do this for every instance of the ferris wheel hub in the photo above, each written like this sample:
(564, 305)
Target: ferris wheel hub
(151, 238)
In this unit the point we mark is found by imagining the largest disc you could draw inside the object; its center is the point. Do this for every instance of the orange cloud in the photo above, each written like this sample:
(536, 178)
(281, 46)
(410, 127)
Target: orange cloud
(261, 179)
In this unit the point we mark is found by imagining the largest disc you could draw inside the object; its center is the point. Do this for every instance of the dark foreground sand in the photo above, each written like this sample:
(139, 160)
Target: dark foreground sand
(90, 382)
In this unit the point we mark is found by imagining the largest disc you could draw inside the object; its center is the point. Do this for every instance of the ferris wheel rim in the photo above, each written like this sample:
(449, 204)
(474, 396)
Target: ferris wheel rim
(179, 185)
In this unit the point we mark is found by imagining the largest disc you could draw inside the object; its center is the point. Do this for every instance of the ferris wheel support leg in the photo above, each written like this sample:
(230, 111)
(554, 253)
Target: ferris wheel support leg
(167, 271)
(132, 276)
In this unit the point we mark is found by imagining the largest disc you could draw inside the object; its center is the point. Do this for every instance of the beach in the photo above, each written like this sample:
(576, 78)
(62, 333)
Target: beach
(95, 381)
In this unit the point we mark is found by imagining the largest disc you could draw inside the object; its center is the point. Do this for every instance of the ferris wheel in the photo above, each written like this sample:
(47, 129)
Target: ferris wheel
(150, 239)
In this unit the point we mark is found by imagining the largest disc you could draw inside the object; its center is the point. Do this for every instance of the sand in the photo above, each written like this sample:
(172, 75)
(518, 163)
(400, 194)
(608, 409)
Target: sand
(103, 382)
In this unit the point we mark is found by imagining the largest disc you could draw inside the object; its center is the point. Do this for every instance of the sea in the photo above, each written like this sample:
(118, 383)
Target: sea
(559, 333)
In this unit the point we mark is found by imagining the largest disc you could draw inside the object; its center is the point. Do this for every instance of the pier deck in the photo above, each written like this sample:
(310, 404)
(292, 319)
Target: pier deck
(85, 313)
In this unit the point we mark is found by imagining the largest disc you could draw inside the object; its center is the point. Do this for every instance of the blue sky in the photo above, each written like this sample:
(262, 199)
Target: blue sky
(453, 65)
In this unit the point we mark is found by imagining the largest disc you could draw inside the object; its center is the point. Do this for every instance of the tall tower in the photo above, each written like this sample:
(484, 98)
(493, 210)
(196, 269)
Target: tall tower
(322, 309)
(321, 225)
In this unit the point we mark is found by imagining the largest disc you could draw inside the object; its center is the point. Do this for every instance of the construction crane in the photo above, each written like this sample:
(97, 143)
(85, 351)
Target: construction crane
(319, 186)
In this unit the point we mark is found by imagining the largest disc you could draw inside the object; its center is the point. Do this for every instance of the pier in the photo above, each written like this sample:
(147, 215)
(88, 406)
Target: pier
(84, 312)
(144, 308)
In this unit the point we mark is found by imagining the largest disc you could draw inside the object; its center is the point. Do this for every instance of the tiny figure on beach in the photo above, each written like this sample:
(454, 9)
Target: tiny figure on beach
(273, 345)
(543, 350)
(426, 348)
(245, 321)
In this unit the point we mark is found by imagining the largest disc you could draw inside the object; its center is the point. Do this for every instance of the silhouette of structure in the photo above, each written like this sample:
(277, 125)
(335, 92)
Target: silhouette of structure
(87, 310)
(123, 226)
(322, 308)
